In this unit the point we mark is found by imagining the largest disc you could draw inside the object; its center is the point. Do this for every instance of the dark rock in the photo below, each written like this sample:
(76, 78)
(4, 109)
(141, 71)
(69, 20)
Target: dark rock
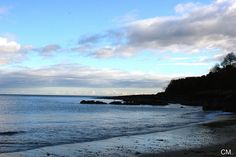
(136, 153)
(91, 102)
(212, 105)
(160, 139)
(230, 103)
(131, 102)
(10, 133)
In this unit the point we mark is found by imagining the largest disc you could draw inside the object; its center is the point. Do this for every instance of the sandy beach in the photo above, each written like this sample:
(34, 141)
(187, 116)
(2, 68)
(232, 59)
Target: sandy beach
(210, 151)
(205, 139)
(216, 150)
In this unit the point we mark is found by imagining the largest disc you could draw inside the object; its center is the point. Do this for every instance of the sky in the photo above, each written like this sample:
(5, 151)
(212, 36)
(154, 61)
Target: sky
(78, 47)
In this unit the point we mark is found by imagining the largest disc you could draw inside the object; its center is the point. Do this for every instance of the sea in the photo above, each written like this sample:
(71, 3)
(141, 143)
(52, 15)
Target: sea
(34, 121)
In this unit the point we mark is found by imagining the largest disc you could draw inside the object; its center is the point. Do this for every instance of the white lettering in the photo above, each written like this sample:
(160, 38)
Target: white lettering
(225, 152)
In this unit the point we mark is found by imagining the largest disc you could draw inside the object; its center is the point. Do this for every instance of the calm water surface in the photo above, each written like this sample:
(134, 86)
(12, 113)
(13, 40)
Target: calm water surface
(28, 122)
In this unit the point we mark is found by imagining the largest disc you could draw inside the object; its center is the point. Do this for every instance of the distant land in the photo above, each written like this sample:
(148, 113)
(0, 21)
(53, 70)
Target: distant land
(214, 91)
(48, 95)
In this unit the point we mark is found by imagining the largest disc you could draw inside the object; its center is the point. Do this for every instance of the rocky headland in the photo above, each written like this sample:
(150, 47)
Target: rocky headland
(213, 91)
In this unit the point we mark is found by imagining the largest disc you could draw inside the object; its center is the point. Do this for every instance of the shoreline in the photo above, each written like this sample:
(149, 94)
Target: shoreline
(227, 148)
(196, 139)
(224, 149)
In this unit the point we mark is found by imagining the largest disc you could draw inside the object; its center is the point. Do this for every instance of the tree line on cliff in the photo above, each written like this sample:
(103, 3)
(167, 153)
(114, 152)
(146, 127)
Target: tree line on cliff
(216, 90)
(221, 77)
(213, 91)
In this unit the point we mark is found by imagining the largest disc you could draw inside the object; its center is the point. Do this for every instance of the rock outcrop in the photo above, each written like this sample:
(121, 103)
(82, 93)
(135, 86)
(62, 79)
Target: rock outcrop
(214, 91)
(91, 102)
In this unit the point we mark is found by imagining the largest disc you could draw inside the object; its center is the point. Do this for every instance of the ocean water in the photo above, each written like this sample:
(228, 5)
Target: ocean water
(28, 122)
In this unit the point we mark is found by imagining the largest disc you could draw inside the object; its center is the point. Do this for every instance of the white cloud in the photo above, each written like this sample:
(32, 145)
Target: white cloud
(186, 7)
(104, 52)
(194, 28)
(204, 27)
(12, 51)
(7, 46)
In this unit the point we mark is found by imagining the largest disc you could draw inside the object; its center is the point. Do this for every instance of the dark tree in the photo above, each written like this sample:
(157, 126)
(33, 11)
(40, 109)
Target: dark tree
(216, 68)
(228, 60)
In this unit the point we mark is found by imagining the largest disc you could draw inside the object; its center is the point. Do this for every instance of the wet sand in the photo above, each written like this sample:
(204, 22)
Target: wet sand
(195, 140)
(210, 151)
(216, 150)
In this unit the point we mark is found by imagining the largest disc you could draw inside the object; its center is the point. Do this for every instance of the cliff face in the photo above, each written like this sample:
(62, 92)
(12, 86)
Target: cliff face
(215, 91)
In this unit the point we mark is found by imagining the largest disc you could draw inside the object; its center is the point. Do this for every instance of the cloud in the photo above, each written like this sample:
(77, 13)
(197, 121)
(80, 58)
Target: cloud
(213, 59)
(186, 7)
(96, 45)
(113, 36)
(12, 51)
(127, 18)
(90, 39)
(104, 53)
(7, 46)
(205, 27)
(80, 76)
(194, 28)
(51, 48)
(47, 50)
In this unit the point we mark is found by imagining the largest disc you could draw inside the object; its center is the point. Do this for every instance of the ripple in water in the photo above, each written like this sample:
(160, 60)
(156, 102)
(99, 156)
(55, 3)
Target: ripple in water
(28, 122)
